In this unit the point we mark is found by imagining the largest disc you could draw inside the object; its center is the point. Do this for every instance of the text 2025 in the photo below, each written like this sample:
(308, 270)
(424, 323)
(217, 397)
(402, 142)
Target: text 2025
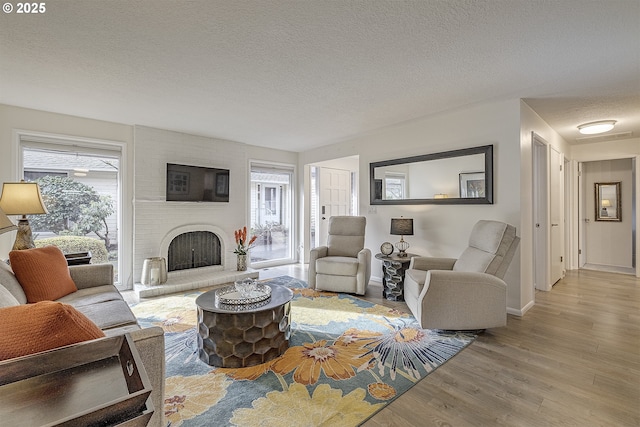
(31, 7)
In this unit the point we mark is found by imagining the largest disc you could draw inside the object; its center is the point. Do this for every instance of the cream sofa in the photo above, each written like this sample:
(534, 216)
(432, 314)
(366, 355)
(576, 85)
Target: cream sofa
(99, 300)
(466, 293)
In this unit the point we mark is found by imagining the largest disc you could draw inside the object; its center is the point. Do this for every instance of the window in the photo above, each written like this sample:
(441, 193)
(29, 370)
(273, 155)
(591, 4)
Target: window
(81, 190)
(394, 186)
(271, 213)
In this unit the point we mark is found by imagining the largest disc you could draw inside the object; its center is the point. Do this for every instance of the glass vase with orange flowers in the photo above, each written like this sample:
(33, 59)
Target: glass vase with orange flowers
(242, 247)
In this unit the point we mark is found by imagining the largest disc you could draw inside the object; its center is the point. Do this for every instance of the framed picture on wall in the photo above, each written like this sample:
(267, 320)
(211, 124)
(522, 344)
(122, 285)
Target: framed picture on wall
(472, 185)
(608, 202)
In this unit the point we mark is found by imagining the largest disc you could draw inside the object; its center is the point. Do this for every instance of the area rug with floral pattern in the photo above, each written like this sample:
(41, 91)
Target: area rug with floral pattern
(347, 359)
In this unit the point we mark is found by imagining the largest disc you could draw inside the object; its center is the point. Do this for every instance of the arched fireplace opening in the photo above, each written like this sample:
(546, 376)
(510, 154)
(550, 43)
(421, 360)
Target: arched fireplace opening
(194, 249)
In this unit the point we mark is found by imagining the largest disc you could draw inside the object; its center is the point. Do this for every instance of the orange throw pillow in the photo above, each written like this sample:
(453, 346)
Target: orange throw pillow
(32, 328)
(43, 273)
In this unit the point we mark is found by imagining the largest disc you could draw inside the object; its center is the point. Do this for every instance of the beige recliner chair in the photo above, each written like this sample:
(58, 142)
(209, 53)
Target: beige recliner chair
(467, 293)
(344, 264)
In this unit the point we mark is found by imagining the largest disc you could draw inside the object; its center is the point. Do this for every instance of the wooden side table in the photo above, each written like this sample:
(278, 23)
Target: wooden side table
(393, 268)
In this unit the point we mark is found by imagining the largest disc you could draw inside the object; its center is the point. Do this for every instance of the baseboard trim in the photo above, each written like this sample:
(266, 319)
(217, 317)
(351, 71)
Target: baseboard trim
(520, 312)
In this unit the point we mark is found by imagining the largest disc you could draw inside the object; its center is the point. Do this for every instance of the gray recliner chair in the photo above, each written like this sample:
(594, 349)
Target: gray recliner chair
(467, 293)
(344, 264)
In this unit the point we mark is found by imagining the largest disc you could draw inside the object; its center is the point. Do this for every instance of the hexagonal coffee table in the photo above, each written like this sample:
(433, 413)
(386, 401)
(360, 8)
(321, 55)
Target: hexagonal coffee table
(243, 335)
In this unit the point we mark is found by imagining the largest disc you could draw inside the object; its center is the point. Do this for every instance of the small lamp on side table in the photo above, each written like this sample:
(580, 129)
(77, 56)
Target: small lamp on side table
(22, 198)
(402, 227)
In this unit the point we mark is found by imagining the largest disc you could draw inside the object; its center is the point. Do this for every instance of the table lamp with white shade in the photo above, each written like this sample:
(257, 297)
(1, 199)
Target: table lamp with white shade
(22, 198)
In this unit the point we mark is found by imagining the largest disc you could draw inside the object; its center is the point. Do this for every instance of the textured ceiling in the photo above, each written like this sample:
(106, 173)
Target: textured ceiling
(301, 74)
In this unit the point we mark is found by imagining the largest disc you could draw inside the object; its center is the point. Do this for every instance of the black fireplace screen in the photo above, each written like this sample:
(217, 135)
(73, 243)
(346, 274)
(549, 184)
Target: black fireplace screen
(193, 250)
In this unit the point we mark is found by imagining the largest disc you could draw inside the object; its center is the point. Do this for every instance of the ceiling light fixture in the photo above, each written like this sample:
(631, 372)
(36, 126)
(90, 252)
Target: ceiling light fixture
(593, 128)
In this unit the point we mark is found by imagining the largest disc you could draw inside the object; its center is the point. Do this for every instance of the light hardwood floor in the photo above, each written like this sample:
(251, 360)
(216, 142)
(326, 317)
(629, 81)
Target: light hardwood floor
(572, 360)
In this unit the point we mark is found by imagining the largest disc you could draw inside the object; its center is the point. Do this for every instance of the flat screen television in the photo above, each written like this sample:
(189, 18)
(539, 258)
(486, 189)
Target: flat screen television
(197, 184)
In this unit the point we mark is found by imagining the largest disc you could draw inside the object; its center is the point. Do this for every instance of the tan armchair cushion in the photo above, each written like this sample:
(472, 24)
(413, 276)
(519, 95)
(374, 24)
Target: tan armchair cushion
(489, 243)
(346, 235)
(473, 260)
(337, 266)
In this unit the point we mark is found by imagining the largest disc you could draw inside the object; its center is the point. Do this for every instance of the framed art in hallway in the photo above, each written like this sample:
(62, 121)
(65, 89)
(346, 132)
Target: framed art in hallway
(608, 202)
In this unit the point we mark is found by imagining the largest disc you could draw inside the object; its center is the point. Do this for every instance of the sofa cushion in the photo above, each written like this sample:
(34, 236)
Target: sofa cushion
(104, 305)
(43, 273)
(6, 298)
(42, 326)
(9, 281)
(109, 314)
(95, 295)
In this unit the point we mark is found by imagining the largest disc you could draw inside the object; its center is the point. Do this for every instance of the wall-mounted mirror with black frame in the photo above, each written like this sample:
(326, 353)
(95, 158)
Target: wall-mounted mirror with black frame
(463, 177)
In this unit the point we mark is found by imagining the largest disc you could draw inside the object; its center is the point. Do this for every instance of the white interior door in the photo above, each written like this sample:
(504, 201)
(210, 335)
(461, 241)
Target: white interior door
(582, 218)
(335, 191)
(540, 214)
(556, 213)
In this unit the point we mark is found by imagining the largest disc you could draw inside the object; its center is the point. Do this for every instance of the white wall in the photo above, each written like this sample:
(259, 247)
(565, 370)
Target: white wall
(155, 217)
(440, 230)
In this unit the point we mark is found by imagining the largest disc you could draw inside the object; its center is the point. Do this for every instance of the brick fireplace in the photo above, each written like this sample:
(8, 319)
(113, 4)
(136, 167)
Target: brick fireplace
(198, 256)
(158, 221)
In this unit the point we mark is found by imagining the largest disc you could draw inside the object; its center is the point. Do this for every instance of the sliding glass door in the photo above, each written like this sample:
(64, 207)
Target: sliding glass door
(271, 216)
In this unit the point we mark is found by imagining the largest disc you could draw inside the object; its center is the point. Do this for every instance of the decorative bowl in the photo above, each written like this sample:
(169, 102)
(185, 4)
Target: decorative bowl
(245, 287)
